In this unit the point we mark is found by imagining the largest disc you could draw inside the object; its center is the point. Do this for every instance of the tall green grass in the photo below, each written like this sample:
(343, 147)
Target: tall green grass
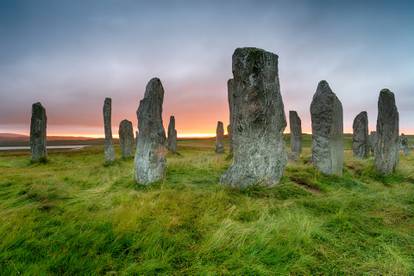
(73, 215)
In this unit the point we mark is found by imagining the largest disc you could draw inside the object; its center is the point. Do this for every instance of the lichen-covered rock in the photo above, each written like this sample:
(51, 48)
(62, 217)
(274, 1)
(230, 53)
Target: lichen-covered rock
(108, 144)
(38, 127)
(404, 144)
(219, 137)
(327, 131)
(150, 161)
(360, 137)
(387, 148)
(257, 120)
(126, 139)
(172, 136)
(295, 134)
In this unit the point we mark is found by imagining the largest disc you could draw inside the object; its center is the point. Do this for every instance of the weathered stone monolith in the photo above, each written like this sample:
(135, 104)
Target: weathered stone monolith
(108, 144)
(360, 137)
(126, 139)
(229, 127)
(387, 148)
(150, 161)
(258, 120)
(230, 139)
(404, 144)
(38, 127)
(172, 136)
(295, 134)
(219, 137)
(327, 131)
(372, 141)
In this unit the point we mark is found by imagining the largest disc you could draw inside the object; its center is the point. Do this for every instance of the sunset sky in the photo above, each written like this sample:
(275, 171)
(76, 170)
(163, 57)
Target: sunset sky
(70, 55)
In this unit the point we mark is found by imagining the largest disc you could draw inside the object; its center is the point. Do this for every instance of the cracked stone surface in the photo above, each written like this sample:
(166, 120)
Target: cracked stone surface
(257, 120)
(387, 147)
(327, 131)
(150, 161)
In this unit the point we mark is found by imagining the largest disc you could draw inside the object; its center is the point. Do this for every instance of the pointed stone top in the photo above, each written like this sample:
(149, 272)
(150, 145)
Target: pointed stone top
(293, 112)
(125, 121)
(172, 118)
(37, 105)
(323, 87)
(387, 95)
(154, 86)
(108, 99)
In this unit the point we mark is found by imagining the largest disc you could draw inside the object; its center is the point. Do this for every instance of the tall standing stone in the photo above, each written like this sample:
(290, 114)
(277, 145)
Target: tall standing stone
(404, 144)
(38, 127)
(108, 144)
(230, 139)
(373, 141)
(295, 134)
(150, 161)
(219, 137)
(126, 139)
(360, 138)
(172, 136)
(327, 131)
(258, 120)
(387, 149)
(230, 88)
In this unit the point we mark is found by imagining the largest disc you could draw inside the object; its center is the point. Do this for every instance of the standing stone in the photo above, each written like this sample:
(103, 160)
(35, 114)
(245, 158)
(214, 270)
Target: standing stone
(230, 88)
(108, 145)
(126, 139)
(404, 144)
(38, 126)
(387, 149)
(230, 139)
(360, 138)
(373, 141)
(219, 137)
(295, 134)
(258, 120)
(172, 136)
(150, 161)
(327, 131)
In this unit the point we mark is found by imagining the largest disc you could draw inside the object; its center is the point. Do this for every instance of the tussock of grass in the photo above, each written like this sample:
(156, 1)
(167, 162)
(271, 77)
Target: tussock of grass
(73, 215)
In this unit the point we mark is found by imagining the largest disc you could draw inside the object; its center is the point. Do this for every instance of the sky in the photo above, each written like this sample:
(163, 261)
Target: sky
(70, 55)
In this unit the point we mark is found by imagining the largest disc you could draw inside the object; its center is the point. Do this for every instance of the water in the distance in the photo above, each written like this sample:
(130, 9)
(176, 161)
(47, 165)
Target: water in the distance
(69, 147)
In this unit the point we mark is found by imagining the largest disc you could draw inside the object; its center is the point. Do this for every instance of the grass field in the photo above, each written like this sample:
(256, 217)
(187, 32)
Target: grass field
(75, 216)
